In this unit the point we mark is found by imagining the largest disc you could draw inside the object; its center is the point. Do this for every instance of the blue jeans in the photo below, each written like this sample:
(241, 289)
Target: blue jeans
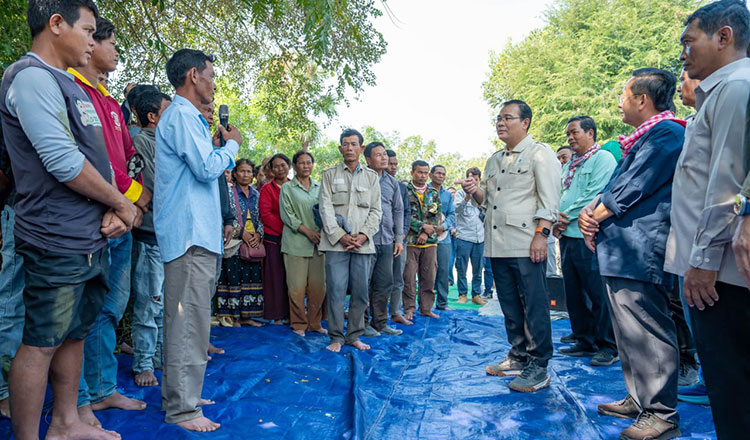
(443, 267)
(488, 278)
(11, 295)
(466, 252)
(99, 372)
(453, 239)
(148, 307)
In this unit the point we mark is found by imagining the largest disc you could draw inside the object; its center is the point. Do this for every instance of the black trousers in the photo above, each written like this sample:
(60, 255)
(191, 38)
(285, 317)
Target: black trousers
(685, 340)
(583, 286)
(722, 334)
(522, 292)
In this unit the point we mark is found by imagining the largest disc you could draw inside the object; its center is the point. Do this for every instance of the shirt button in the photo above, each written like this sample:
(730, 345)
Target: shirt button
(498, 188)
(707, 260)
(494, 227)
(494, 207)
(502, 171)
(523, 225)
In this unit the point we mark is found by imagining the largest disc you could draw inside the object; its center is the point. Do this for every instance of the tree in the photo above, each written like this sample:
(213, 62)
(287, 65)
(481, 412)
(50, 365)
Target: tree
(579, 62)
(16, 36)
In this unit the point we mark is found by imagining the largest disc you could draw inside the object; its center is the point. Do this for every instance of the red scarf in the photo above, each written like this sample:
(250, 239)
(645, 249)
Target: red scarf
(577, 162)
(627, 142)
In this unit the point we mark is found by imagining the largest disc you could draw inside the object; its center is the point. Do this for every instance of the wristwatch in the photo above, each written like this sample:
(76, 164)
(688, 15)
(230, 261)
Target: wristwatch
(741, 206)
(544, 231)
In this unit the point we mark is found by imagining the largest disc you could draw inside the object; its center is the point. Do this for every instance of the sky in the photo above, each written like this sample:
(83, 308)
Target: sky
(429, 83)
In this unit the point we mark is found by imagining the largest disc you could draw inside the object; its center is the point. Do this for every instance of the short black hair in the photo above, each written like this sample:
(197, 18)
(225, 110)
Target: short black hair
(434, 167)
(138, 90)
(475, 171)
(104, 29)
(565, 147)
(586, 122)
(351, 132)
(371, 146)
(281, 156)
(301, 153)
(658, 84)
(182, 61)
(40, 11)
(716, 15)
(523, 107)
(419, 163)
(148, 102)
(390, 153)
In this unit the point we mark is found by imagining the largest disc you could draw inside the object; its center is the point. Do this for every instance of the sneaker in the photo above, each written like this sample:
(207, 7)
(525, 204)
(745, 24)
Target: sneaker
(696, 394)
(487, 295)
(604, 359)
(370, 332)
(648, 426)
(569, 339)
(391, 331)
(533, 378)
(688, 374)
(578, 349)
(477, 299)
(508, 367)
(624, 409)
(462, 299)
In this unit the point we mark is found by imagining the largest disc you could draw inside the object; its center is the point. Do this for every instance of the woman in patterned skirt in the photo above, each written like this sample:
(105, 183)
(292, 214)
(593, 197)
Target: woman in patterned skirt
(240, 290)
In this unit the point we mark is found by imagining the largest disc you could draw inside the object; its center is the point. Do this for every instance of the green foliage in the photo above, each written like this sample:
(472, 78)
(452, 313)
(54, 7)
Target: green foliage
(578, 63)
(16, 39)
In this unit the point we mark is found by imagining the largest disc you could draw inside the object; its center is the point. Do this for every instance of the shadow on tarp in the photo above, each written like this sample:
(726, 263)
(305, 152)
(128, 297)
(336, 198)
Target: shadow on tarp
(428, 384)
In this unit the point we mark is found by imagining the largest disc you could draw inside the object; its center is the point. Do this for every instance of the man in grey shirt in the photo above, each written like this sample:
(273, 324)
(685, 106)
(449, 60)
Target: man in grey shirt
(715, 42)
(388, 242)
(469, 243)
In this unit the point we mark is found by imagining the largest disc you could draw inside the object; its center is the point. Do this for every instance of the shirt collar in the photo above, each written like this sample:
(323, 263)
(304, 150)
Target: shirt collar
(183, 102)
(99, 87)
(524, 144)
(356, 170)
(720, 75)
(296, 182)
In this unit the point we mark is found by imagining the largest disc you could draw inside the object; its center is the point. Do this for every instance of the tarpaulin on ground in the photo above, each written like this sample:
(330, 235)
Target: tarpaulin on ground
(428, 383)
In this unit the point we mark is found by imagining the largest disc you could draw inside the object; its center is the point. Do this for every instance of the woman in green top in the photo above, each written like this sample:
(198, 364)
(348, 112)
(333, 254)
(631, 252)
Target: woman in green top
(305, 265)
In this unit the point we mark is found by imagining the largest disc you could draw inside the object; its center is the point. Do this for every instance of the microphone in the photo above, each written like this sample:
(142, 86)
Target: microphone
(223, 120)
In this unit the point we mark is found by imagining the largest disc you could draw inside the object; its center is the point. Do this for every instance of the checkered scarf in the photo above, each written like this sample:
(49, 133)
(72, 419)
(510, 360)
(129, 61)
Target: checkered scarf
(627, 142)
(576, 162)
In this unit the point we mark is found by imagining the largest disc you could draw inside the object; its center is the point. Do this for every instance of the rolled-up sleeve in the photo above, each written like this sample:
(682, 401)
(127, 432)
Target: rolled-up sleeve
(36, 100)
(717, 220)
(547, 172)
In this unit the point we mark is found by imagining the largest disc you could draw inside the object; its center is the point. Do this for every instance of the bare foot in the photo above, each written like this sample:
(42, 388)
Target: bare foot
(79, 431)
(359, 345)
(429, 315)
(334, 347)
(236, 324)
(146, 379)
(208, 358)
(199, 424)
(86, 414)
(5, 407)
(299, 332)
(215, 350)
(126, 348)
(277, 322)
(204, 402)
(118, 401)
(401, 320)
(321, 330)
(251, 323)
(409, 316)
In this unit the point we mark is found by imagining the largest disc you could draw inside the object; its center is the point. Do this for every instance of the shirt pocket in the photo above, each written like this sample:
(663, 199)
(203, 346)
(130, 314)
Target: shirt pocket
(520, 230)
(362, 196)
(340, 195)
(519, 176)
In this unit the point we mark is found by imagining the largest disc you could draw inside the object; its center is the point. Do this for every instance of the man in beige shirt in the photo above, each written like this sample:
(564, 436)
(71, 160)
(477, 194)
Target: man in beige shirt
(520, 195)
(351, 191)
(708, 178)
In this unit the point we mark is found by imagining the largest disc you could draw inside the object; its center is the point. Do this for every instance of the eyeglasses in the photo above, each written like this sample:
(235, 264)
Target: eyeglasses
(624, 97)
(507, 118)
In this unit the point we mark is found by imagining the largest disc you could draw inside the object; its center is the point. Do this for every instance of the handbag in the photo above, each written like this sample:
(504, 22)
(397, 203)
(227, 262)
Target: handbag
(247, 253)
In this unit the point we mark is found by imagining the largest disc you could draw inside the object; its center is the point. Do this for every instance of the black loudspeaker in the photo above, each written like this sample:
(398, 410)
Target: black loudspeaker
(556, 294)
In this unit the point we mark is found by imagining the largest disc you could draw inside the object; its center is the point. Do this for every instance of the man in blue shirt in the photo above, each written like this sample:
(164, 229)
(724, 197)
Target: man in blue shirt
(630, 222)
(188, 225)
(583, 177)
(437, 177)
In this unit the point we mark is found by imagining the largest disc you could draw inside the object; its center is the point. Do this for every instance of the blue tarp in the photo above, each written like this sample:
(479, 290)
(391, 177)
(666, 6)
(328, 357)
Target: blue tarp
(428, 383)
